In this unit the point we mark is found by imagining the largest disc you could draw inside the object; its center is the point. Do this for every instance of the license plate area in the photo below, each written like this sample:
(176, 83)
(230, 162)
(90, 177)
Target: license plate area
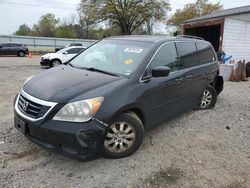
(20, 125)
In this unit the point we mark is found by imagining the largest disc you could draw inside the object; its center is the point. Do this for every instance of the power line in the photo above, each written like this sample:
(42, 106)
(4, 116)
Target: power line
(55, 2)
(34, 5)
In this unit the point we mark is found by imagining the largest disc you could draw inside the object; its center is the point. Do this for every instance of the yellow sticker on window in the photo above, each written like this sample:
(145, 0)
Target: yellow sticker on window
(129, 61)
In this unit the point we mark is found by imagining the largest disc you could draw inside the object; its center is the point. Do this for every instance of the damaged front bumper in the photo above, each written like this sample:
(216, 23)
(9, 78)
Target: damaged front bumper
(81, 141)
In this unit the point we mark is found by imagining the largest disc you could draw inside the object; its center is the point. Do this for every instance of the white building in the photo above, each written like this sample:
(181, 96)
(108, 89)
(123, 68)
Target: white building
(228, 30)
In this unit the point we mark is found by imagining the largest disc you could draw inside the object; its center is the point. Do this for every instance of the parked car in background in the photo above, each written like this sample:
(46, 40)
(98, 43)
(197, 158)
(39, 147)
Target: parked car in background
(101, 106)
(61, 56)
(69, 45)
(14, 49)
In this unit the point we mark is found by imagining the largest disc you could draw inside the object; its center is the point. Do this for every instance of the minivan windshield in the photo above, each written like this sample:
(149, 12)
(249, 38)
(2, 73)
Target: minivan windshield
(118, 57)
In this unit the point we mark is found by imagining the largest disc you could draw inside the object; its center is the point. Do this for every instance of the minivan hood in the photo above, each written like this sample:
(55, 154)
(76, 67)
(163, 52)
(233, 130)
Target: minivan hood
(64, 83)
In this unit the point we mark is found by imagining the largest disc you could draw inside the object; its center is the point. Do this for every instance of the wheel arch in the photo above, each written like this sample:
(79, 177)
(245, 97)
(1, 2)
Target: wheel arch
(54, 59)
(134, 110)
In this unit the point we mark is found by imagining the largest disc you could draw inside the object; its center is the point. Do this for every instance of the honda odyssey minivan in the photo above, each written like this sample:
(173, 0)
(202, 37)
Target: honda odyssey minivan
(101, 102)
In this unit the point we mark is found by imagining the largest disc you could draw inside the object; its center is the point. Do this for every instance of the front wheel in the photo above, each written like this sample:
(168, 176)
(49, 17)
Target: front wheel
(209, 98)
(21, 54)
(123, 137)
(55, 63)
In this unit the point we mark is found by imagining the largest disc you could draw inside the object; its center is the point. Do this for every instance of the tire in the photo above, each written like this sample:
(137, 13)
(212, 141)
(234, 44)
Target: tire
(21, 54)
(123, 137)
(55, 62)
(209, 98)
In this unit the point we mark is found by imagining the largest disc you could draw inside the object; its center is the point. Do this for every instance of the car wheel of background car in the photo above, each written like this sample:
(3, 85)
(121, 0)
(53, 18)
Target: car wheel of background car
(123, 137)
(209, 98)
(55, 63)
(21, 54)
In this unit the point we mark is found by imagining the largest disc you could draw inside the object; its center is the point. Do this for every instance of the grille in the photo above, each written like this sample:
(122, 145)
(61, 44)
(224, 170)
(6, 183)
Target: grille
(31, 108)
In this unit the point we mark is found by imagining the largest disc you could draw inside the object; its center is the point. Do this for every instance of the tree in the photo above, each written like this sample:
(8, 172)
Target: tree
(66, 31)
(192, 10)
(23, 30)
(46, 26)
(128, 15)
(89, 14)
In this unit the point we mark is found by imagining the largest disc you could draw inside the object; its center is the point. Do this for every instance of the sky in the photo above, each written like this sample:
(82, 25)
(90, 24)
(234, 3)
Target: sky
(14, 12)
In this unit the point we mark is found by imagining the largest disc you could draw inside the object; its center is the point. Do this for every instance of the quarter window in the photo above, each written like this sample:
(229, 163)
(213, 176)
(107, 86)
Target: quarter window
(206, 54)
(187, 54)
(166, 56)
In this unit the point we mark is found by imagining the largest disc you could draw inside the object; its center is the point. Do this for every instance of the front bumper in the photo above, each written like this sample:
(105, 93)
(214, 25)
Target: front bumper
(81, 141)
(45, 62)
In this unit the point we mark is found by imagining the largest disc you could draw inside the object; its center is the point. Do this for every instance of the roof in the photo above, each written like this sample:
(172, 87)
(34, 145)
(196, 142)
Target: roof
(223, 13)
(153, 38)
(142, 38)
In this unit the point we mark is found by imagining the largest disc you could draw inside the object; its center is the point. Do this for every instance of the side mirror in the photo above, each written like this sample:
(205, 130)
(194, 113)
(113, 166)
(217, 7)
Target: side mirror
(160, 71)
(1, 46)
(65, 53)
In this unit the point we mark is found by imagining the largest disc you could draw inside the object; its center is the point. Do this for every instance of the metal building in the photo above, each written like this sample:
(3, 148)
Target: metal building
(228, 30)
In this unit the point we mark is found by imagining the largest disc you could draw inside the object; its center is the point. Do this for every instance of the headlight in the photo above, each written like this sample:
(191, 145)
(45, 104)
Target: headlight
(28, 79)
(80, 111)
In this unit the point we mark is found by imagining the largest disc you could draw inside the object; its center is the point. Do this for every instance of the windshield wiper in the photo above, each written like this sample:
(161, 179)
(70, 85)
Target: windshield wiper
(70, 64)
(101, 71)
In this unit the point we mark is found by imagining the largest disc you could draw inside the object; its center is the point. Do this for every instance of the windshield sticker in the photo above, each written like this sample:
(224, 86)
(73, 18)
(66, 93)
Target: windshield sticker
(129, 61)
(134, 50)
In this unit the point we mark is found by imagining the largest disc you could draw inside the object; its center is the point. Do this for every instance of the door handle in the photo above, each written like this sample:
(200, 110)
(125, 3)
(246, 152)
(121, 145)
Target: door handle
(178, 79)
(189, 76)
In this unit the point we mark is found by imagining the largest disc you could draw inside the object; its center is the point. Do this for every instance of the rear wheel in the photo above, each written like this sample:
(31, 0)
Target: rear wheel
(123, 137)
(55, 63)
(209, 98)
(21, 54)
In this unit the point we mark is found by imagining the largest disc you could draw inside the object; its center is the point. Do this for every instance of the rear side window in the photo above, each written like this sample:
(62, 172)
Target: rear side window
(206, 53)
(187, 54)
(166, 56)
(74, 50)
(7, 45)
(13, 45)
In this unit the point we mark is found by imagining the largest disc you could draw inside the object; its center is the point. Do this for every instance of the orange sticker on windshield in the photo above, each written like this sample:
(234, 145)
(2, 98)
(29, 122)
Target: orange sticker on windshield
(129, 61)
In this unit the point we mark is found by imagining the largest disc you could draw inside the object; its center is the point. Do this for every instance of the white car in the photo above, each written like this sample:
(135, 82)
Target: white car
(61, 56)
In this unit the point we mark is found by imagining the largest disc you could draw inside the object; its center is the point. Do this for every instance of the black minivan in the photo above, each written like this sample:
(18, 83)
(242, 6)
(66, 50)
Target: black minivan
(102, 101)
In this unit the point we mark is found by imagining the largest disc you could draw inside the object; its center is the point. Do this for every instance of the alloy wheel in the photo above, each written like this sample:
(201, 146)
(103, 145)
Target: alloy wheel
(120, 137)
(206, 99)
(21, 54)
(56, 63)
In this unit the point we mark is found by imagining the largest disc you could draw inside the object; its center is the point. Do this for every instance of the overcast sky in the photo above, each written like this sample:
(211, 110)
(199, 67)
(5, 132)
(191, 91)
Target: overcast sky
(14, 12)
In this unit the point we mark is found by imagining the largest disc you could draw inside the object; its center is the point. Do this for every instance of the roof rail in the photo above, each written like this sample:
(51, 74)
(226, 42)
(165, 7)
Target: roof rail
(190, 36)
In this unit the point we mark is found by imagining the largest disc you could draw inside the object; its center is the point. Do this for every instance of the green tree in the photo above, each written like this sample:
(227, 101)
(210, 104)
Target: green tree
(46, 26)
(128, 15)
(23, 30)
(192, 10)
(66, 31)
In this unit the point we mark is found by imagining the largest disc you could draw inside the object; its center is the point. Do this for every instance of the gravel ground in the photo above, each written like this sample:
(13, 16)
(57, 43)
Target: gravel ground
(197, 149)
